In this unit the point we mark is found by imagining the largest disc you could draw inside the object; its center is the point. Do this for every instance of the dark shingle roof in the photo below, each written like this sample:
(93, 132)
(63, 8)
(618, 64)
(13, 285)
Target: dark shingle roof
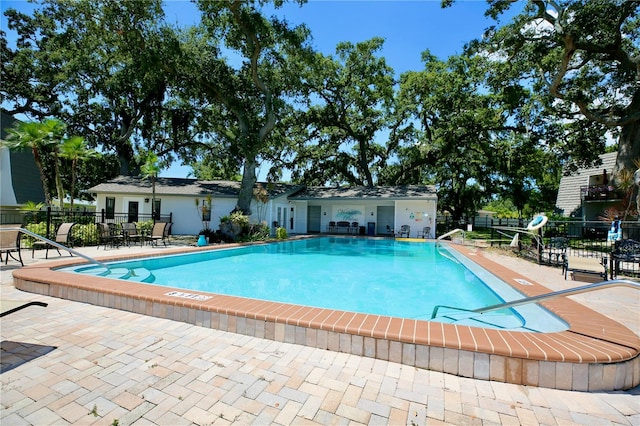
(360, 192)
(179, 186)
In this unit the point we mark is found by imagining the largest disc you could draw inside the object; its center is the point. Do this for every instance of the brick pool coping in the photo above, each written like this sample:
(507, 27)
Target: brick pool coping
(595, 353)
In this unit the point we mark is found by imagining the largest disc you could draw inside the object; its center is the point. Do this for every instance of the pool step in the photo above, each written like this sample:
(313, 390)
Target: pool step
(495, 320)
(136, 274)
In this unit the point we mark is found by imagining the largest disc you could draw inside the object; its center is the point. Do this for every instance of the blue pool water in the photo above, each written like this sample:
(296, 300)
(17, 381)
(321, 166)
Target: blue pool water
(375, 276)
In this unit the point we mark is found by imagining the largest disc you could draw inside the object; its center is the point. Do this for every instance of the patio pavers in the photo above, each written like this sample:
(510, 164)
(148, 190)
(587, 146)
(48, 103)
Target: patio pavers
(104, 365)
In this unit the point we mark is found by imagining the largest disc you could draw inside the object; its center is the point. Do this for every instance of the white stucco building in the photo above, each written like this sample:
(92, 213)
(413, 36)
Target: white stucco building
(299, 209)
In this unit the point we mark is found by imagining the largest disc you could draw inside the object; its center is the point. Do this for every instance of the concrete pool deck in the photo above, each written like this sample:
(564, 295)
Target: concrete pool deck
(137, 368)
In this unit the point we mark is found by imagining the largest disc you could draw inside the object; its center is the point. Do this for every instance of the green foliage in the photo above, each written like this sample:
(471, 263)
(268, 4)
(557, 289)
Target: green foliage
(145, 226)
(348, 106)
(31, 206)
(85, 235)
(237, 218)
(460, 139)
(207, 232)
(281, 233)
(503, 208)
(578, 56)
(256, 232)
(102, 67)
(241, 105)
(75, 150)
(39, 228)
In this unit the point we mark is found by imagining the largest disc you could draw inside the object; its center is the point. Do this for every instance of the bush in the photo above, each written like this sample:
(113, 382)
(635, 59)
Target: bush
(85, 235)
(145, 227)
(39, 228)
(256, 232)
(281, 233)
(235, 227)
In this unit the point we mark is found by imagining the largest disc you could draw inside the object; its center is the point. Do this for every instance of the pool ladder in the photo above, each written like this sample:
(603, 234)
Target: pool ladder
(450, 233)
(547, 296)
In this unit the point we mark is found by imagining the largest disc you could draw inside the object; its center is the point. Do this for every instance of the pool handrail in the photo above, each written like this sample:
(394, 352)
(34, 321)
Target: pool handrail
(448, 234)
(58, 245)
(547, 296)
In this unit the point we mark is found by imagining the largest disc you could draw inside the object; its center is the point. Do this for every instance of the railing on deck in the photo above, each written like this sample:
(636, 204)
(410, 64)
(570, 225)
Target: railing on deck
(599, 193)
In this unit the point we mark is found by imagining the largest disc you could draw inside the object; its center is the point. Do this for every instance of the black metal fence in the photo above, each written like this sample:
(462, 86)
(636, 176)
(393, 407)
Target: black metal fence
(586, 238)
(84, 233)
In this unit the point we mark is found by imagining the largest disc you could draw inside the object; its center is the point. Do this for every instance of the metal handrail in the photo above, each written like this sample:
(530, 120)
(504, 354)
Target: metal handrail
(58, 245)
(567, 292)
(448, 234)
(546, 296)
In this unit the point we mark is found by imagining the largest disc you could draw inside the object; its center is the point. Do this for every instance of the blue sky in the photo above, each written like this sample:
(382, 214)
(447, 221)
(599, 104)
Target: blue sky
(408, 27)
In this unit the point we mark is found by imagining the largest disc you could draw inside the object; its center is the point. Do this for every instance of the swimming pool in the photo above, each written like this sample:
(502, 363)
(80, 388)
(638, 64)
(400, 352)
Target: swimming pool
(371, 276)
(576, 358)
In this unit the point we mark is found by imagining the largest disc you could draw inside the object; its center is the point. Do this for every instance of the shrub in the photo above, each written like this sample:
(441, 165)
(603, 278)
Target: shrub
(85, 235)
(235, 227)
(39, 228)
(145, 227)
(281, 233)
(256, 232)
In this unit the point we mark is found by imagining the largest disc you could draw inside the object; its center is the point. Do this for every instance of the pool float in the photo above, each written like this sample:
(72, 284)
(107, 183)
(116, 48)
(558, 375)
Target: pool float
(538, 222)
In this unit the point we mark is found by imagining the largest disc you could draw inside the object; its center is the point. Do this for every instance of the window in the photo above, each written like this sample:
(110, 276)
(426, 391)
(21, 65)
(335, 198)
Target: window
(111, 207)
(156, 209)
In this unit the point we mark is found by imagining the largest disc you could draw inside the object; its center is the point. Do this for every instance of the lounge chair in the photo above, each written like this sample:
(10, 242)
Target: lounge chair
(160, 232)
(10, 243)
(425, 233)
(355, 227)
(331, 227)
(343, 226)
(404, 230)
(63, 236)
(109, 235)
(130, 233)
(10, 306)
(586, 272)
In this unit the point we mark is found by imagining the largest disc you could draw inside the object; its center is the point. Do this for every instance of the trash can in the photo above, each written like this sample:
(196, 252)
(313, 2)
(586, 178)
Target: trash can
(362, 229)
(371, 228)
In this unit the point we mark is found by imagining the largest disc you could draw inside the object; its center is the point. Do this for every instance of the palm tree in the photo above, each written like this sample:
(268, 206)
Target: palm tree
(54, 131)
(150, 170)
(75, 149)
(31, 135)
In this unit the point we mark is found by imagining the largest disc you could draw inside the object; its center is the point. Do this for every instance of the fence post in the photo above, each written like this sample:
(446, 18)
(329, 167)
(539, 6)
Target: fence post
(102, 215)
(48, 220)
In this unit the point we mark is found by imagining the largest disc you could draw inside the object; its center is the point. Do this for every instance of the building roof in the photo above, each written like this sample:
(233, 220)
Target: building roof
(230, 189)
(360, 192)
(568, 198)
(187, 187)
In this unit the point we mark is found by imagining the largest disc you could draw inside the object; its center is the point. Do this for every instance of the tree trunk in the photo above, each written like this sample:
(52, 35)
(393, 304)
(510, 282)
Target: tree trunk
(628, 148)
(58, 178)
(43, 178)
(246, 189)
(74, 164)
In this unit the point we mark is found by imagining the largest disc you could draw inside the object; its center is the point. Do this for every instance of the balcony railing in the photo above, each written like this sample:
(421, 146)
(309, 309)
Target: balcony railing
(599, 193)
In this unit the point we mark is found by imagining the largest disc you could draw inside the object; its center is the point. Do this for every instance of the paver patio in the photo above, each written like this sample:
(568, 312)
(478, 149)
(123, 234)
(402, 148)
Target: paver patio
(73, 363)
